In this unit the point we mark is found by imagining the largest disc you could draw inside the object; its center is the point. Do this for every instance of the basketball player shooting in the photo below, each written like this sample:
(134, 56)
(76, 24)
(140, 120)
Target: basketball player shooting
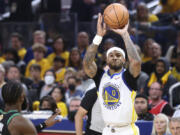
(116, 86)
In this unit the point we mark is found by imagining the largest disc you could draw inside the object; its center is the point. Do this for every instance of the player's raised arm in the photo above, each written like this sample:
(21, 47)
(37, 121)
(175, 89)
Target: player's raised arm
(89, 65)
(133, 56)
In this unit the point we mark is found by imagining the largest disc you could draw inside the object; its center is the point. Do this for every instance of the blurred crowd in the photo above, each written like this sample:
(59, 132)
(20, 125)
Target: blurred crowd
(52, 74)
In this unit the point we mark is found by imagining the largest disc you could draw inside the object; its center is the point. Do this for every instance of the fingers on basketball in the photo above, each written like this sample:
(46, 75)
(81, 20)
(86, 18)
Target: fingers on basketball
(116, 16)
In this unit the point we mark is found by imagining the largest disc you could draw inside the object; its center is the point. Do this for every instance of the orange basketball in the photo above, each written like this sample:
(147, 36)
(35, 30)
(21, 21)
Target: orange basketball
(116, 15)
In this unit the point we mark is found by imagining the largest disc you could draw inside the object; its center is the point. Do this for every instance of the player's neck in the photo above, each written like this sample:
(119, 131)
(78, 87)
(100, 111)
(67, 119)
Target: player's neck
(112, 71)
(12, 107)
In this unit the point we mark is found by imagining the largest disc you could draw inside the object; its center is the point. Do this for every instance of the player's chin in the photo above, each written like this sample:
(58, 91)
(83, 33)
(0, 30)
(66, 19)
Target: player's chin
(115, 67)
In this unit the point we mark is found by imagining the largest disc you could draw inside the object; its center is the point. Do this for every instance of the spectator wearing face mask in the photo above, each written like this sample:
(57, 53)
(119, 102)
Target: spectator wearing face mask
(72, 91)
(49, 79)
(74, 105)
(47, 103)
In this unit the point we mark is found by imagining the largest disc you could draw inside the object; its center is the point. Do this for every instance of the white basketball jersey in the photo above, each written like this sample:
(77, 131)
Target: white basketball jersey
(116, 99)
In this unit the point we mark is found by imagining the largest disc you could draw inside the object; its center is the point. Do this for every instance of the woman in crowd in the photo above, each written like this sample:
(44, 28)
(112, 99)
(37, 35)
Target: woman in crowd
(49, 79)
(160, 125)
(59, 50)
(58, 95)
(75, 60)
(46, 103)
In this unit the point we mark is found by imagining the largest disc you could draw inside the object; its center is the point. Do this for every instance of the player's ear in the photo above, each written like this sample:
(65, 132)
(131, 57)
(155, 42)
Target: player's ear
(124, 61)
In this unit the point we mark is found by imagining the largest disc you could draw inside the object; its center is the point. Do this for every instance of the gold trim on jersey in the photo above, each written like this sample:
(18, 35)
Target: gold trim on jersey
(134, 115)
(134, 128)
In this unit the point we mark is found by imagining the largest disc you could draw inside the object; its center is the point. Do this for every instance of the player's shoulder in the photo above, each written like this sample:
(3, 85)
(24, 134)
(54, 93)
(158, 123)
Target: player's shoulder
(92, 91)
(22, 125)
(17, 120)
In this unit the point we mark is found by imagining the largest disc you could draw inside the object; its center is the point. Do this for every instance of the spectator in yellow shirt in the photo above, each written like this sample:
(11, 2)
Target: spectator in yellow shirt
(2, 60)
(170, 6)
(59, 69)
(17, 44)
(143, 14)
(176, 68)
(147, 50)
(58, 95)
(46, 103)
(39, 51)
(59, 50)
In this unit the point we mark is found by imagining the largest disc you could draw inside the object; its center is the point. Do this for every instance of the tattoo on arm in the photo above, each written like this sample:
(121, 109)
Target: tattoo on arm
(88, 61)
(133, 56)
(131, 49)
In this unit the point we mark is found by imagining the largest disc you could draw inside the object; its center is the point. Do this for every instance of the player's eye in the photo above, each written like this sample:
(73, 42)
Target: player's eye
(118, 55)
(111, 55)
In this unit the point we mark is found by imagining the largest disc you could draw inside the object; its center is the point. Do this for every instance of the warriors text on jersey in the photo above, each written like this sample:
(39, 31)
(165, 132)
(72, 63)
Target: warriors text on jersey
(116, 96)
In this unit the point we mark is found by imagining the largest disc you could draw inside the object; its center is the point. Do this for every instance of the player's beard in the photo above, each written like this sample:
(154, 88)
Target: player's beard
(115, 67)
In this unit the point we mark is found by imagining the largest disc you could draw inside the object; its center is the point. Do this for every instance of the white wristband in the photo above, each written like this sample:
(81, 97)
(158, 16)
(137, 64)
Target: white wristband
(97, 40)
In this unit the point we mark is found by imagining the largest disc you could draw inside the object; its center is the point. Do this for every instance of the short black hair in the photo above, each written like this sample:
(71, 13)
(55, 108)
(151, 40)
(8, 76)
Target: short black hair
(51, 101)
(12, 51)
(11, 92)
(59, 59)
(142, 96)
(35, 67)
(62, 90)
(63, 40)
(72, 77)
(50, 70)
(13, 66)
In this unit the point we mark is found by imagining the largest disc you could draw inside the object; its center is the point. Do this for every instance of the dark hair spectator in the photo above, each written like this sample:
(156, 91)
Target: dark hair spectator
(75, 60)
(48, 103)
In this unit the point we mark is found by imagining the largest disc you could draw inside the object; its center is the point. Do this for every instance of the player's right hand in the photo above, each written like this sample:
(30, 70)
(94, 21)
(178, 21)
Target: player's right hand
(122, 31)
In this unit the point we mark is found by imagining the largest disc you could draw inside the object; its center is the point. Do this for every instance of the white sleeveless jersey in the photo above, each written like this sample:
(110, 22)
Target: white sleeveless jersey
(116, 99)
